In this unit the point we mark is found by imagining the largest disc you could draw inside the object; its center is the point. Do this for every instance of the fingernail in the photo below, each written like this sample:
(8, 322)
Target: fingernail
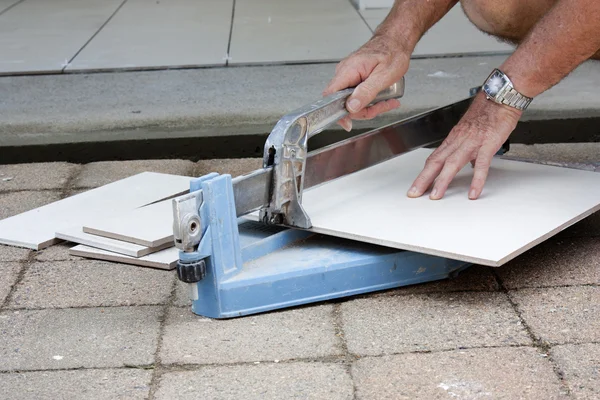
(348, 126)
(472, 194)
(433, 193)
(354, 105)
(412, 191)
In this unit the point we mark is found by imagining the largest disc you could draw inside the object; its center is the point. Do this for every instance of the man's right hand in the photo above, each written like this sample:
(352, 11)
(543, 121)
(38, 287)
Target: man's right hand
(378, 64)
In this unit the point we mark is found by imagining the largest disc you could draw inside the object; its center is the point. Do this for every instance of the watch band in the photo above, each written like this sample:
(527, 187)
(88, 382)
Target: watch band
(515, 99)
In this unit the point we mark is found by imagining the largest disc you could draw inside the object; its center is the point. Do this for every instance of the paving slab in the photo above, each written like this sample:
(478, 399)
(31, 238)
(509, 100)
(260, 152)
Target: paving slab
(561, 315)
(556, 262)
(10, 253)
(103, 384)
(443, 321)
(298, 333)
(90, 283)
(580, 365)
(9, 271)
(104, 172)
(35, 176)
(233, 167)
(264, 381)
(14, 203)
(41, 36)
(499, 373)
(78, 338)
(160, 34)
(266, 31)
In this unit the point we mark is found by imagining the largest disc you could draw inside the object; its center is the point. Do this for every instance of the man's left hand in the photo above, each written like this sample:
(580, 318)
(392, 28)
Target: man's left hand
(478, 136)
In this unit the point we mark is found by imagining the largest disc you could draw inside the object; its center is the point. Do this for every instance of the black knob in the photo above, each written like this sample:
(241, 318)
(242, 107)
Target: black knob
(191, 272)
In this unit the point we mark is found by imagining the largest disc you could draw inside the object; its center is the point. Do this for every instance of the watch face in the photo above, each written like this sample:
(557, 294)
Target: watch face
(495, 82)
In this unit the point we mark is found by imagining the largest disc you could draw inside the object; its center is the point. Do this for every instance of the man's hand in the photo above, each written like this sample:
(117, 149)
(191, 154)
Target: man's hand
(376, 65)
(476, 138)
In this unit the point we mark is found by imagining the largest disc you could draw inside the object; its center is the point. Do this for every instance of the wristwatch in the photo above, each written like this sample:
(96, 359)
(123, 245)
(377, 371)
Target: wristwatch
(499, 88)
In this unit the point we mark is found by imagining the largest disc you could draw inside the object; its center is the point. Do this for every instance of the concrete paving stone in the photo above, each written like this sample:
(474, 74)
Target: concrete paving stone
(18, 202)
(82, 384)
(498, 373)
(297, 333)
(557, 262)
(8, 276)
(580, 365)
(90, 283)
(78, 338)
(11, 253)
(430, 322)
(234, 167)
(182, 297)
(568, 152)
(58, 252)
(35, 176)
(104, 172)
(561, 315)
(264, 381)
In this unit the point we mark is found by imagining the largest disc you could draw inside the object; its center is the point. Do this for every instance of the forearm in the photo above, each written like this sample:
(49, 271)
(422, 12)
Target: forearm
(566, 36)
(408, 20)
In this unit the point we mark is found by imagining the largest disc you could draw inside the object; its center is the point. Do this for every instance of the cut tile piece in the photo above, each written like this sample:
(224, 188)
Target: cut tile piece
(266, 31)
(164, 259)
(157, 34)
(36, 229)
(520, 207)
(42, 36)
(453, 34)
(149, 226)
(77, 235)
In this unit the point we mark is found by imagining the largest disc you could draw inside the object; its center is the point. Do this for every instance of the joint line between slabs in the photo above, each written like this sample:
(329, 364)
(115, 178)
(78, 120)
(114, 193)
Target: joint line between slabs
(94, 35)
(542, 347)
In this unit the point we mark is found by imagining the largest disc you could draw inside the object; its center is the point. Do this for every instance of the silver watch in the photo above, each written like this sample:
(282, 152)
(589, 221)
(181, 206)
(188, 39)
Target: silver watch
(499, 88)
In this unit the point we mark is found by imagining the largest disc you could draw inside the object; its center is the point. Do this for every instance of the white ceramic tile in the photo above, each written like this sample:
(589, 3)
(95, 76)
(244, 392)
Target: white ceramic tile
(453, 34)
(522, 205)
(42, 35)
(75, 234)
(267, 31)
(164, 259)
(36, 228)
(161, 33)
(149, 226)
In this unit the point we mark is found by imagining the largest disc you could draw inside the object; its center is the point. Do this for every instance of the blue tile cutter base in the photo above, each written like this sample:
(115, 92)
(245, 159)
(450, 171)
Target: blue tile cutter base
(251, 267)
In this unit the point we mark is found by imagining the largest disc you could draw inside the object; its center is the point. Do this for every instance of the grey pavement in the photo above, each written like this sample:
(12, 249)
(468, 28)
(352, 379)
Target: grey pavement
(237, 101)
(72, 328)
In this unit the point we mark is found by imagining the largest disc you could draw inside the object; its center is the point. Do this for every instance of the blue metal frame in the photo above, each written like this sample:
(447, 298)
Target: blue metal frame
(253, 268)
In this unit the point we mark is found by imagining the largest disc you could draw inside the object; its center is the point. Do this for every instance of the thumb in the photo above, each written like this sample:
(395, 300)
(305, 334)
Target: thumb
(366, 92)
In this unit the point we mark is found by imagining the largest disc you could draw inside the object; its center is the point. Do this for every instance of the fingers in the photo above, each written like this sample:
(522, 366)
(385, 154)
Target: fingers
(346, 123)
(347, 74)
(452, 166)
(366, 91)
(481, 169)
(433, 166)
(376, 109)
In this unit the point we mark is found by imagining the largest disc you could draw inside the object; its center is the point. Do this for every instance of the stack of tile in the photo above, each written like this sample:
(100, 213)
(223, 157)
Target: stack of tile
(128, 221)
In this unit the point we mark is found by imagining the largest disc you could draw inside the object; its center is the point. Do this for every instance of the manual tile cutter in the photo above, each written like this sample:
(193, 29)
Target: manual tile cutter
(235, 267)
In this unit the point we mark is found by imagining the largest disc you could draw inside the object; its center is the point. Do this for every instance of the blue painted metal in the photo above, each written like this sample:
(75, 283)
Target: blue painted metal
(253, 268)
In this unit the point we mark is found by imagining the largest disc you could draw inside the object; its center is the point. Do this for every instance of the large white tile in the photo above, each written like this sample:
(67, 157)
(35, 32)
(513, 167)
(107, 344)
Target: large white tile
(43, 35)
(267, 31)
(522, 204)
(165, 33)
(453, 34)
